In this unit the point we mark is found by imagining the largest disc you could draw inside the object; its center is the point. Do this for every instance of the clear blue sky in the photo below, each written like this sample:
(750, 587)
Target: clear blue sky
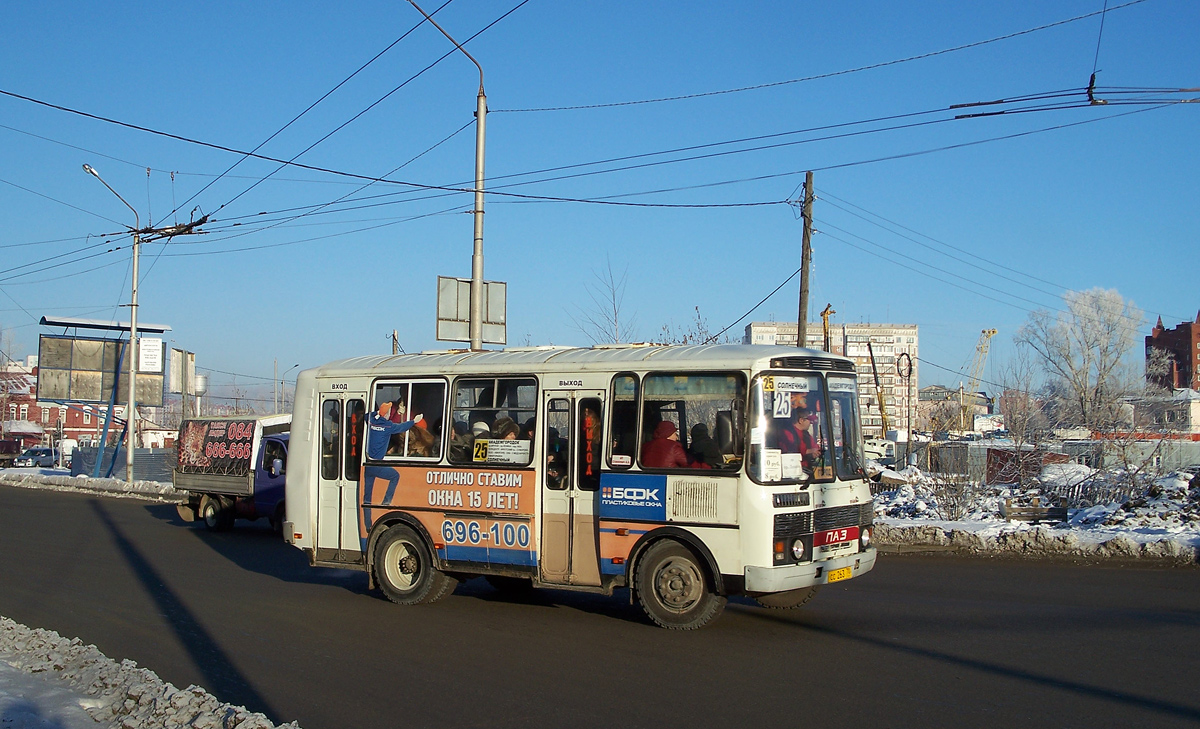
(1110, 202)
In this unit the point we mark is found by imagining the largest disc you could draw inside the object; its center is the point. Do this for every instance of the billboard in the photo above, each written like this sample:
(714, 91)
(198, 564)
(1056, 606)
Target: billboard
(83, 370)
(220, 447)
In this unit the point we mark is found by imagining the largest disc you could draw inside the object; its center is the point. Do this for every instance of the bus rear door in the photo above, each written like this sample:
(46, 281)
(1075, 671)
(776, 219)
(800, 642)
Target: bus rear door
(572, 428)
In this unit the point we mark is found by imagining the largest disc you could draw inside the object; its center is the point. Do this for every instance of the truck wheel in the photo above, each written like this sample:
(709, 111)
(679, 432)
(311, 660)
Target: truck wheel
(672, 587)
(216, 513)
(787, 600)
(405, 571)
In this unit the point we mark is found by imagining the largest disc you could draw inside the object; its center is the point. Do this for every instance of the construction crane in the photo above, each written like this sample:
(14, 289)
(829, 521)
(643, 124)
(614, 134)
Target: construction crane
(981, 353)
(878, 391)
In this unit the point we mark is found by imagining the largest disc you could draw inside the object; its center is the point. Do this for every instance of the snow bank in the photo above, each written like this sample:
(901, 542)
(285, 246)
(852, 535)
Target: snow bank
(1161, 523)
(119, 695)
(33, 479)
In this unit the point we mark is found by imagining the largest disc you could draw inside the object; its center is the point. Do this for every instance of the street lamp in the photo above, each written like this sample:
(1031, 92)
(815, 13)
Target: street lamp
(282, 388)
(131, 436)
(476, 326)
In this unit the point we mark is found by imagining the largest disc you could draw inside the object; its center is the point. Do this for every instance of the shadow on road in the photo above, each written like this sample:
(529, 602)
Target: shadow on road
(255, 547)
(1160, 706)
(222, 677)
(616, 607)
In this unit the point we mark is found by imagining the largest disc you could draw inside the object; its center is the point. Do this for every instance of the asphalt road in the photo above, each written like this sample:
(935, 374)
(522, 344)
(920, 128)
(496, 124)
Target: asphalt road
(920, 642)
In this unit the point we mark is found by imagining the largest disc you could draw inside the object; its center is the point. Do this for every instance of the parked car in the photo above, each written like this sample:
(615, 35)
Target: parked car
(43, 457)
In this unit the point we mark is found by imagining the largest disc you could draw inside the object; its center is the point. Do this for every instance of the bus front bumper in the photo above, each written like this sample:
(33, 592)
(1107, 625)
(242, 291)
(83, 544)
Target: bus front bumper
(794, 577)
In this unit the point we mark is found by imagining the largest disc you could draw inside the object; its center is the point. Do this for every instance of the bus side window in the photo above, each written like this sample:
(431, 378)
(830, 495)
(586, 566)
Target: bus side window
(558, 441)
(623, 442)
(590, 438)
(331, 417)
(356, 414)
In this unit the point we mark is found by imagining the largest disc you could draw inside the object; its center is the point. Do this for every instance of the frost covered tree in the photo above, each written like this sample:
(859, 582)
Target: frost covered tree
(1082, 350)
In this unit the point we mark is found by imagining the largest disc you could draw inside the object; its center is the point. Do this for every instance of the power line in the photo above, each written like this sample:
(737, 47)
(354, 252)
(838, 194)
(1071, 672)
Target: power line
(297, 118)
(824, 75)
(60, 202)
(714, 337)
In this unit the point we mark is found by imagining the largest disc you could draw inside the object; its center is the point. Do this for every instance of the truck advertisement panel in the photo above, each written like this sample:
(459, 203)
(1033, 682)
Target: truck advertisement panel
(218, 447)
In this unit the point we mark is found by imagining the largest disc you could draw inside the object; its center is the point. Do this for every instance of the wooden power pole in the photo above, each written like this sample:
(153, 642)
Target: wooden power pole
(805, 259)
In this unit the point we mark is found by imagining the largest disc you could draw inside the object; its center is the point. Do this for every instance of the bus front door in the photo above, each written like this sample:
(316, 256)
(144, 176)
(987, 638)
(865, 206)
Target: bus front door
(572, 427)
(342, 428)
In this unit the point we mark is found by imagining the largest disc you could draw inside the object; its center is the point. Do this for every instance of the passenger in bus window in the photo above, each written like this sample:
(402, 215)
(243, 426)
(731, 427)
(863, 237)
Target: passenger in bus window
(528, 428)
(703, 449)
(556, 460)
(505, 429)
(664, 450)
(461, 442)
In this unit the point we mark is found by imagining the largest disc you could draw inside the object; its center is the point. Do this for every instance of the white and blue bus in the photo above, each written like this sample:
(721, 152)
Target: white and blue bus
(684, 473)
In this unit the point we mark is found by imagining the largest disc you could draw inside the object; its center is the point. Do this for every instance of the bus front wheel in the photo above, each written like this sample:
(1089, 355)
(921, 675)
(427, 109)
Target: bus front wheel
(672, 588)
(404, 569)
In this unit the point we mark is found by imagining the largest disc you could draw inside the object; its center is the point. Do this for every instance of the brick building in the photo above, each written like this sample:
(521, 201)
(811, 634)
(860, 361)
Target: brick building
(40, 423)
(1182, 344)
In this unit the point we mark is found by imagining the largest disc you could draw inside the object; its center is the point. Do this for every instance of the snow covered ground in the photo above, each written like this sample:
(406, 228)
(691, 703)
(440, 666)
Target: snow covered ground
(49, 682)
(1129, 518)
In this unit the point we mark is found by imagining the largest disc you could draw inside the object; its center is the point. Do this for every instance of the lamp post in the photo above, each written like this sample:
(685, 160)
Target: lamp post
(476, 326)
(282, 389)
(131, 435)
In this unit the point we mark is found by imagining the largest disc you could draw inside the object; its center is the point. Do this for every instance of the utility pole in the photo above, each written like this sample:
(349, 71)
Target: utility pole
(153, 234)
(476, 325)
(395, 343)
(805, 259)
(275, 387)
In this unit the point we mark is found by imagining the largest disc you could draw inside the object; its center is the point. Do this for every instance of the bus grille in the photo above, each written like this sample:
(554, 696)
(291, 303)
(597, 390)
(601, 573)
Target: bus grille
(694, 502)
(838, 517)
(793, 525)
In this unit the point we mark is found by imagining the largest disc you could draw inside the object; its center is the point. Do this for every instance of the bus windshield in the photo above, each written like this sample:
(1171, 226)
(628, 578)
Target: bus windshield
(789, 433)
(843, 411)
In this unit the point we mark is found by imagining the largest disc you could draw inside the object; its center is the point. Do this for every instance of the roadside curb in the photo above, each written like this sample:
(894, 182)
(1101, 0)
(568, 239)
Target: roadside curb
(149, 490)
(1035, 543)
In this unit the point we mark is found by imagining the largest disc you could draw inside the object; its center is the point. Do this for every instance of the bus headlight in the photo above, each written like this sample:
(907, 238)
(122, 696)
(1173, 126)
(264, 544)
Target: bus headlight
(798, 549)
(865, 537)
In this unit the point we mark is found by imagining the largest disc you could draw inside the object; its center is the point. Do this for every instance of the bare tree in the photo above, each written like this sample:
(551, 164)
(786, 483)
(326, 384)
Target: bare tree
(1082, 351)
(606, 321)
(1023, 407)
(696, 332)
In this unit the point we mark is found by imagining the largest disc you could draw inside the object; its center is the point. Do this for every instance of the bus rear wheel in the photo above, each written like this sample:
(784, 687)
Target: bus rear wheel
(787, 600)
(404, 569)
(673, 590)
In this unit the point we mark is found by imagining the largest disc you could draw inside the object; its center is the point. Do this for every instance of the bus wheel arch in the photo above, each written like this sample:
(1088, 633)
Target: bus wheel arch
(404, 567)
(715, 582)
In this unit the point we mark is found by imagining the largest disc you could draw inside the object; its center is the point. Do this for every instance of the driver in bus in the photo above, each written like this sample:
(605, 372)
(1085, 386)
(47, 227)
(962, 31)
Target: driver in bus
(797, 436)
(379, 432)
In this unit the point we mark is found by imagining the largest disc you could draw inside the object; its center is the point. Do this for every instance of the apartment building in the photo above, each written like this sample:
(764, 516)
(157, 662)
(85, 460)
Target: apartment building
(888, 341)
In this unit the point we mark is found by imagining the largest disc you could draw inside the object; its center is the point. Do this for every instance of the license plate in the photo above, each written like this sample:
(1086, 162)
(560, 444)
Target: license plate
(844, 573)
